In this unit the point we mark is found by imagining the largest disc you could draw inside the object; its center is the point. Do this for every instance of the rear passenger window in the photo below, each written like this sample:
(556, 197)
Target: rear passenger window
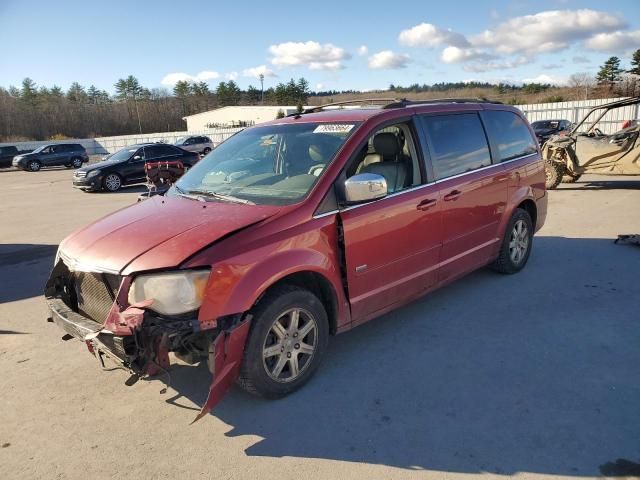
(510, 134)
(457, 144)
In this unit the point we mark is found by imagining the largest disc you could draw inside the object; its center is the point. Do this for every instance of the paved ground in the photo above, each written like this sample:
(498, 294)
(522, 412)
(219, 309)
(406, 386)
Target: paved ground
(536, 374)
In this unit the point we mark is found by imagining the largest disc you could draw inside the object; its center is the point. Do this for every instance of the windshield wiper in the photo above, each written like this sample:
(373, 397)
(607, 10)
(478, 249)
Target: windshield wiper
(221, 196)
(184, 194)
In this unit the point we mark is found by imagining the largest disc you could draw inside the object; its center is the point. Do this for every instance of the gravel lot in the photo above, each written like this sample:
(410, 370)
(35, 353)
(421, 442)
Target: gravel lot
(536, 374)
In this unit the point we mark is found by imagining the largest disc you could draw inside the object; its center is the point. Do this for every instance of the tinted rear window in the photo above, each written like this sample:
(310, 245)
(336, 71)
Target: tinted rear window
(457, 144)
(510, 134)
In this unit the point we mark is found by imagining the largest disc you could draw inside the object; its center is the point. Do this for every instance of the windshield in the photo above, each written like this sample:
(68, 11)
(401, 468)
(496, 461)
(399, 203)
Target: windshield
(39, 149)
(122, 155)
(271, 165)
(180, 140)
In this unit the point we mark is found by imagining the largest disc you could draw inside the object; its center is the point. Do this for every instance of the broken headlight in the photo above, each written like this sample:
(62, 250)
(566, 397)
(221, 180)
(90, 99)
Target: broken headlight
(172, 292)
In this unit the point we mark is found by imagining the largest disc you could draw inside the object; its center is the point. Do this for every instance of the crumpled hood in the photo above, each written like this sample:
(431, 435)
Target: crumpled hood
(159, 232)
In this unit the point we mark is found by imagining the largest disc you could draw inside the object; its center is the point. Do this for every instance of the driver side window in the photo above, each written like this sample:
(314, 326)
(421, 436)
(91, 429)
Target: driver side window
(391, 153)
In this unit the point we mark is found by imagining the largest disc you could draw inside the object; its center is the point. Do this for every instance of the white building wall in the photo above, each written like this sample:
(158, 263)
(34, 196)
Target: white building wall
(229, 116)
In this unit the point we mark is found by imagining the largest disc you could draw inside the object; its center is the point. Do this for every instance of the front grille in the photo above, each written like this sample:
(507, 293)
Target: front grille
(95, 294)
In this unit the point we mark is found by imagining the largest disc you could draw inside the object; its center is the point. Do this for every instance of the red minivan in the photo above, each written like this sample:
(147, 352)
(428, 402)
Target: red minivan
(298, 229)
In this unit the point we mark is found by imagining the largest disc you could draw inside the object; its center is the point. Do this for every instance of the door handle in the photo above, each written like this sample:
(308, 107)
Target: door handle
(453, 195)
(502, 178)
(426, 204)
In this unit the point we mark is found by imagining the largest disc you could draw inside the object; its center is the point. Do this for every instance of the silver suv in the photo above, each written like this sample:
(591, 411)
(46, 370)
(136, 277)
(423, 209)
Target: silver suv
(195, 143)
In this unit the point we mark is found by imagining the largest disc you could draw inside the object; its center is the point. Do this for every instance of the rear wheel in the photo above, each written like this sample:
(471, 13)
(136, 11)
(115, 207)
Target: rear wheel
(553, 174)
(112, 182)
(516, 244)
(288, 339)
(34, 165)
(206, 151)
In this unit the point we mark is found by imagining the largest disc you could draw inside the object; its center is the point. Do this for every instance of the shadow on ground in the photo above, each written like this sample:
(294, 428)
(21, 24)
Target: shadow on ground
(536, 372)
(24, 269)
(612, 184)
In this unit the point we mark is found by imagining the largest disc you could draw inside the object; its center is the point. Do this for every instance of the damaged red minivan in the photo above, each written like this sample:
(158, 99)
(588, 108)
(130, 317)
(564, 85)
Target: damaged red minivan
(298, 229)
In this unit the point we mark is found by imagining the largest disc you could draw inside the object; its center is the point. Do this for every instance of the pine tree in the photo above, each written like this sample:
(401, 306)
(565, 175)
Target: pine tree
(635, 63)
(610, 71)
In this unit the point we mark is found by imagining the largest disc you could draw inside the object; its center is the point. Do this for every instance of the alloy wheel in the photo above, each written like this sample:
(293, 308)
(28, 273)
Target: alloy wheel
(519, 242)
(77, 163)
(112, 182)
(290, 344)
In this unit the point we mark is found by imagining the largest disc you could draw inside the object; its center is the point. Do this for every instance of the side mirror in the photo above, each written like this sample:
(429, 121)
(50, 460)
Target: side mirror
(365, 187)
(137, 157)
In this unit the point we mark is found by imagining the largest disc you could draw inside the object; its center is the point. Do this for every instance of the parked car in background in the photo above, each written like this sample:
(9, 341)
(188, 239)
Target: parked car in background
(545, 129)
(126, 166)
(195, 143)
(350, 214)
(7, 153)
(55, 154)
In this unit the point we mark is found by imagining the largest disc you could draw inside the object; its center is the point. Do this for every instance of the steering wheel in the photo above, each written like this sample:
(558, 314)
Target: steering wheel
(596, 132)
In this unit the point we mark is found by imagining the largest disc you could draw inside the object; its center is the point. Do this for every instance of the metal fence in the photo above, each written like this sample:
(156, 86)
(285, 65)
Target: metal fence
(106, 145)
(575, 111)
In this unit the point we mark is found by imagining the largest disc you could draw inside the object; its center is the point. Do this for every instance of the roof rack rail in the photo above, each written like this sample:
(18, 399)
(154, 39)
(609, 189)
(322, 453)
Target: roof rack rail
(411, 103)
(366, 101)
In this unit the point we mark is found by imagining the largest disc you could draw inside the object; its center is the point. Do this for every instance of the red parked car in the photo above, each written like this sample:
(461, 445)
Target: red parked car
(298, 229)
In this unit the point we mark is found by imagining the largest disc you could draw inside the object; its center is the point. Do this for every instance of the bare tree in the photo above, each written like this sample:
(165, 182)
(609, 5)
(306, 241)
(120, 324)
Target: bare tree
(582, 82)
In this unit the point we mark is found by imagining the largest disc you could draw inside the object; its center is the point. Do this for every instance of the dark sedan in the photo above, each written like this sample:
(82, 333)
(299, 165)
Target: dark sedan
(126, 166)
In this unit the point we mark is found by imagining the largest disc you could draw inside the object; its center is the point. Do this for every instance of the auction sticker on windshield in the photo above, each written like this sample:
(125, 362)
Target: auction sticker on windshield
(333, 128)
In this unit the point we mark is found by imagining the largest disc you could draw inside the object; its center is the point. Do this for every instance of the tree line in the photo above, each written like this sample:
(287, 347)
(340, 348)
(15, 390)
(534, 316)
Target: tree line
(32, 112)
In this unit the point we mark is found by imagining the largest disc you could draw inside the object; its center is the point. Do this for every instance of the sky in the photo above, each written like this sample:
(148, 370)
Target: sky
(336, 45)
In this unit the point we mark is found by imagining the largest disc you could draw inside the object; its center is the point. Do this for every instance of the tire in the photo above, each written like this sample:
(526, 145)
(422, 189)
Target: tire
(112, 182)
(76, 162)
(553, 174)
(507, 262)
(34, 166)
(206, 151)
(568, 178)
(259, 374)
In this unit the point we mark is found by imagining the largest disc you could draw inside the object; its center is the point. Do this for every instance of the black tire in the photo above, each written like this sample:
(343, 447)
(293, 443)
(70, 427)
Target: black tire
(254, 377)
(206, 151)
(553, 174)
(569, 178)
(109, 186)
(34, 166)
(76, 162)
(506, 263)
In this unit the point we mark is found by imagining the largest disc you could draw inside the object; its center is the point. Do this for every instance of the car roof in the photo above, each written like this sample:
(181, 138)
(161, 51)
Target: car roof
(335, 113)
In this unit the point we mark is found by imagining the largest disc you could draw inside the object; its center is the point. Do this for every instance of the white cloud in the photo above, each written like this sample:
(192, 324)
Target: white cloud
(428, 35)
(255, 72)
(546, 79)
(495, 65)
(388, 60)
(547, 31)
(172, 78)
(363, 50)
(581, 59)
(319, 86)
(457, 55)
(232, 76)
(614, 42)
(311, 54)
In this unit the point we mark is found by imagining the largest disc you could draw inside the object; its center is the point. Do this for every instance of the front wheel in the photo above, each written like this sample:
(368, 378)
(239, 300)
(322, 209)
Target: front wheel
(112, 182)
(288, 339)
(553, 174)
(516, 243)
(76, 162)
(34, 165)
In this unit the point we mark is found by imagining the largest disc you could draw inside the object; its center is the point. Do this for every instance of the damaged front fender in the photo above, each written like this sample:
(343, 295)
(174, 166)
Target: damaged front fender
(225, 358)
